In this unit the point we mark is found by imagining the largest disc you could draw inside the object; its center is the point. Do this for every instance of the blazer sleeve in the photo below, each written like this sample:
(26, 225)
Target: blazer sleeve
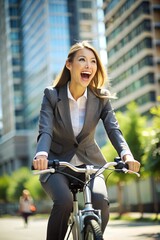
(112, 128)
(46, 120)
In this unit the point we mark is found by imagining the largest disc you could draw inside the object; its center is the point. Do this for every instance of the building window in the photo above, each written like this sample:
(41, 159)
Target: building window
(144, 26)
(14, 36)
(148, 97)
(147, 61)
(146, 43)
(85, 16)
(13, 1)
(13, 11)
(15, 48)
(86, 4)
(14, 24)
(17, 74)
(16, 61)
(147, 79)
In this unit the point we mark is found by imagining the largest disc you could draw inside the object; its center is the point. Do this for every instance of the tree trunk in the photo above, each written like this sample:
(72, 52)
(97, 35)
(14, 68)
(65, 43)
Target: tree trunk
(154, 197)
(120, 197)
(139, 199)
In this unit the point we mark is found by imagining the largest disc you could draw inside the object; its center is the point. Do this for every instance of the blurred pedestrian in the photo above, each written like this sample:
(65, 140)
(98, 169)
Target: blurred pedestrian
(26, 206)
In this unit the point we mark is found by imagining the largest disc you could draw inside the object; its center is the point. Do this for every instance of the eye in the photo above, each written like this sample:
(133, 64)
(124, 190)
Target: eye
(94, 61)
(81, 59)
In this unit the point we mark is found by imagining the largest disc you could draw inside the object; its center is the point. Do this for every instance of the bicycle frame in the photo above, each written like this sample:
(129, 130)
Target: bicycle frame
(78, 218)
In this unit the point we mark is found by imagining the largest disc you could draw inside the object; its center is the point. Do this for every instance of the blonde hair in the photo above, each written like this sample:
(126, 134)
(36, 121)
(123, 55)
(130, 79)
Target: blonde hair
(26, 192)
(100, 78)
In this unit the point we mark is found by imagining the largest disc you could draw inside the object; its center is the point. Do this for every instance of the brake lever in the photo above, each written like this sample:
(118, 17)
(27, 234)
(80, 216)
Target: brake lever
(125, 170)
(123, 167)
(38, 172)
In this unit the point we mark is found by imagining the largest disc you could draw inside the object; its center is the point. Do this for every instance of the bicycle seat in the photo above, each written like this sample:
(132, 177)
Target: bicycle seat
(76, 186)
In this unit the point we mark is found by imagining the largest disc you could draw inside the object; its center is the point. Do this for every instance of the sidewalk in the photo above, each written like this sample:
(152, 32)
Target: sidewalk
(124, 230)
(12, 228)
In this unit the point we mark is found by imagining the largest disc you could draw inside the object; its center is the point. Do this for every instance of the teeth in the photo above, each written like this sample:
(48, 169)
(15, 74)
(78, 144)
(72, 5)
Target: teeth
(87, 73)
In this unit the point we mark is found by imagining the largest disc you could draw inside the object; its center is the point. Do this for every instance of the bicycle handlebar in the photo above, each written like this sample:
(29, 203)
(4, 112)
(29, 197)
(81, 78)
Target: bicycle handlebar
(119, 165)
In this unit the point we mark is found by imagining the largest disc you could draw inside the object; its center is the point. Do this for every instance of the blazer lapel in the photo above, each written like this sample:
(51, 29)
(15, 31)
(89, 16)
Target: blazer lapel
(64, 111)
(91, 109)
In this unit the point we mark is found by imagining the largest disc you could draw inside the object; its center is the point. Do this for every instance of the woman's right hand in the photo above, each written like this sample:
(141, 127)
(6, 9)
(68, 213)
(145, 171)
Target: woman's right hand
(40, 163)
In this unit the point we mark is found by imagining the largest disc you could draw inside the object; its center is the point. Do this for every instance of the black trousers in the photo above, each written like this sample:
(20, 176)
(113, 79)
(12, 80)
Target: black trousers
(57, 187)
(25, 216)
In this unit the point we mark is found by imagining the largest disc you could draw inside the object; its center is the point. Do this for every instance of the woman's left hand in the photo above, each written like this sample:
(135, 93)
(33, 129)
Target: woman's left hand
(133, 164)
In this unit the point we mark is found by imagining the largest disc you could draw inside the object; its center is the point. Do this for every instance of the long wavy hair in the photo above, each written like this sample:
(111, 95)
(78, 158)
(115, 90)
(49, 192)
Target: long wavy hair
(99, 80)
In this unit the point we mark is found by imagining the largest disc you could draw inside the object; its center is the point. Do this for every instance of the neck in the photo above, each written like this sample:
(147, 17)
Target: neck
(76, 91)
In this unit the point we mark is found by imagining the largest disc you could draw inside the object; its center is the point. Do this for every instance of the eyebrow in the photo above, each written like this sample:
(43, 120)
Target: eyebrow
(85, 57)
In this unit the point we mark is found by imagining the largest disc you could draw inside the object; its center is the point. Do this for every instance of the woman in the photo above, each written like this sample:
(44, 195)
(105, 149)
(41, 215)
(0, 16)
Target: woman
(25, 203)
(69, 114)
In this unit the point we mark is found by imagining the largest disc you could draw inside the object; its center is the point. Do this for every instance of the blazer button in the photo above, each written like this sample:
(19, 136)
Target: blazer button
(75, 145)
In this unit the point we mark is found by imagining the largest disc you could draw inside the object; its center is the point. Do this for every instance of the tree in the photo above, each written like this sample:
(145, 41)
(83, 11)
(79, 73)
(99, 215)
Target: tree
(21, 179)
(35, 188)
(17, 183)
(131, 124)
(4, 184)
(152, 156)
(116, 178)
(134, 134)
(136, 141)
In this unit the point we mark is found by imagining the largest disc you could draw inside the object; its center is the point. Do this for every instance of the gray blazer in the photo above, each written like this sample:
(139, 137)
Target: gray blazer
(56, 134)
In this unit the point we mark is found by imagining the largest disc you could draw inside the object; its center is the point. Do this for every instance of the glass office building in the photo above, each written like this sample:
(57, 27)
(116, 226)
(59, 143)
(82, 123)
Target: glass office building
(46, 40)
(35, 39)
(133, 46)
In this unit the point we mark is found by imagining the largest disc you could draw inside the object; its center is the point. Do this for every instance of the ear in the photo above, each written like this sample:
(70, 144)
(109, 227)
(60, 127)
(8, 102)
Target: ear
(68, 65)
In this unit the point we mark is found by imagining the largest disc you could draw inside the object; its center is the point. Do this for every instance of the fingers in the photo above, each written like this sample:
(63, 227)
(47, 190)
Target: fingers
(40, 163)
(133, 165)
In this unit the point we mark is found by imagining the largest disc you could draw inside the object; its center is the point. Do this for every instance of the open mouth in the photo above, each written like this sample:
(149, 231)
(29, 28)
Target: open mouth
(85, 75)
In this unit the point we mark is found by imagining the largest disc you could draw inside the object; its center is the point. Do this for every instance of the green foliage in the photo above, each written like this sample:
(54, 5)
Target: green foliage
(11, 187)
(134, 134)
(131, 125)
(152, 156)
(35, 188)
(4, 184)
(109, 153)
(17, 183)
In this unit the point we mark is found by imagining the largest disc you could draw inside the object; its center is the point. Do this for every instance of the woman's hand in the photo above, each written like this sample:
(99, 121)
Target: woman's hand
(133, 164)
(40, 163)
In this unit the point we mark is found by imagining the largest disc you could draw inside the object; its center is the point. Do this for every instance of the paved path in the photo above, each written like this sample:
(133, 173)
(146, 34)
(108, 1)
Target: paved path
(123, 230)
(13, 229)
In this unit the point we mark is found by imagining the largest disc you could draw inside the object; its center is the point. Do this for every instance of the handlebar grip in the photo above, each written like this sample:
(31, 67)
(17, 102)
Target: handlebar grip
(120, 164)
(51, 163)
(32, 167)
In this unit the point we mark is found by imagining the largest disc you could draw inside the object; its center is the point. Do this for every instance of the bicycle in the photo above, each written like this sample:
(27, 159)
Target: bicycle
(85, 224)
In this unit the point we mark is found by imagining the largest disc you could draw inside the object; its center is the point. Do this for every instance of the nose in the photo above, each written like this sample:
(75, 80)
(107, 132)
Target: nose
(87, 65)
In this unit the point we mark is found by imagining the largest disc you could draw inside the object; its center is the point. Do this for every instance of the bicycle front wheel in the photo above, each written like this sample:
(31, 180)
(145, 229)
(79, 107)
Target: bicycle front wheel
(92, 230)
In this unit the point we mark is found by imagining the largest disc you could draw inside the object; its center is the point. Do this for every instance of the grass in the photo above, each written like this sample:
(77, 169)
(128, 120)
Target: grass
(151, 217)
(131, 217)
(37, 216)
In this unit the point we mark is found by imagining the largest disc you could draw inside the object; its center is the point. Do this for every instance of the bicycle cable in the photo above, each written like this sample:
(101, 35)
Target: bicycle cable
(71, 176)
(79, 180)
(87, 183)
(113, 170)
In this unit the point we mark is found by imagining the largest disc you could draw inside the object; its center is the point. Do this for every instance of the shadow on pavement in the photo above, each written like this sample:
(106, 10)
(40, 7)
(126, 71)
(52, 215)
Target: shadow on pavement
(140, 229)
(131, 224)
(155, 236)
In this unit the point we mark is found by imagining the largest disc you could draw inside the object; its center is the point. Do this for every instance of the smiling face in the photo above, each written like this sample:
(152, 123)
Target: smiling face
(82, 69)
